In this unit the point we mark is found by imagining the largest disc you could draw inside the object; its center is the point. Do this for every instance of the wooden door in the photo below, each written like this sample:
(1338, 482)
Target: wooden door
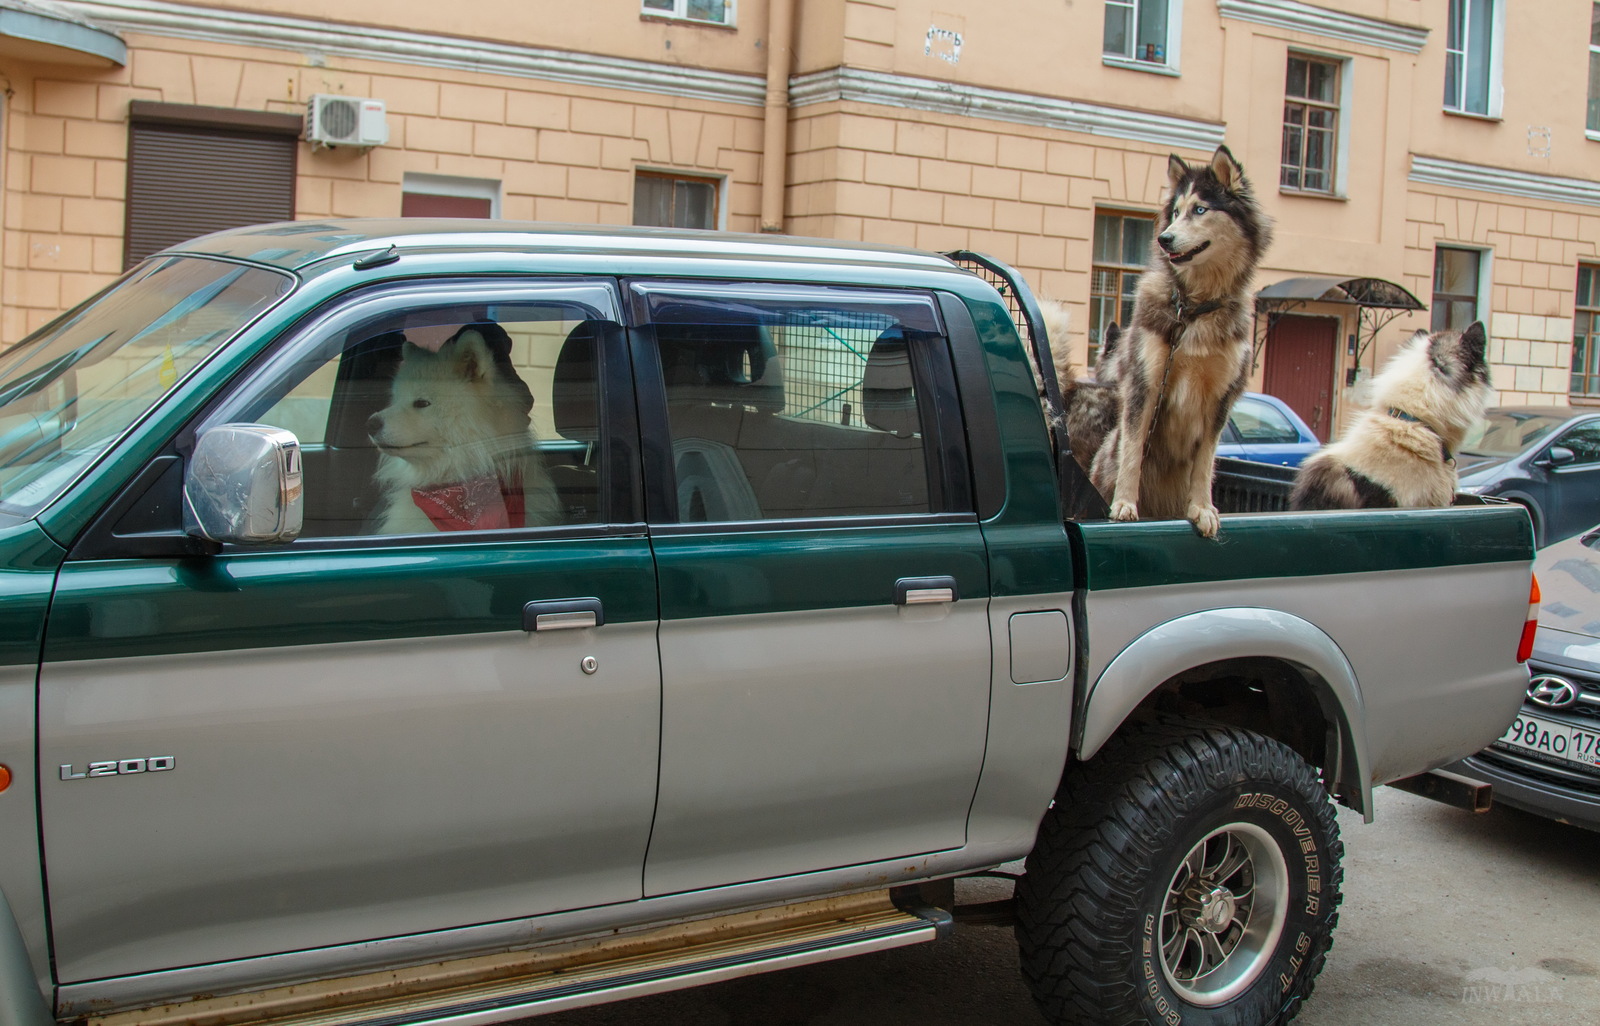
(1301, 352)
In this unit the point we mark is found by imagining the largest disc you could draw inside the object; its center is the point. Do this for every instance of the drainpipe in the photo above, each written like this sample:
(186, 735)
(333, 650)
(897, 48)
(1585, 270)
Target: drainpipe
(775, 125)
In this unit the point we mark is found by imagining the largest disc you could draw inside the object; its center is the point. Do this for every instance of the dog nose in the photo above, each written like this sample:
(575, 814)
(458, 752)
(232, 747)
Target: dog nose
(374, 423)
(1166, 241)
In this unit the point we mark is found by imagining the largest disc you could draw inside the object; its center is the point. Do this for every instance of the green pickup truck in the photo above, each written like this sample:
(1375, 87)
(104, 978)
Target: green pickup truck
(779, 607)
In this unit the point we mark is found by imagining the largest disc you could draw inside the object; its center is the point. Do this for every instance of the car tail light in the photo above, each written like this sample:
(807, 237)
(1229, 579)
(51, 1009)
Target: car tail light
(1525, 646)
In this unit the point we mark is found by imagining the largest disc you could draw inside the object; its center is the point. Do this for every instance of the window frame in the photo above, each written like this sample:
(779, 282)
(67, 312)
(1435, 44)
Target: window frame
(1340, 141)
(1494, 91)
(680, 12)
(1592, 113)
(417, 183)
(1169, 64)
(1480, 299)
(945, 456)
(1122, 271)
(1590, 339)
(149, 497)
(718, 185)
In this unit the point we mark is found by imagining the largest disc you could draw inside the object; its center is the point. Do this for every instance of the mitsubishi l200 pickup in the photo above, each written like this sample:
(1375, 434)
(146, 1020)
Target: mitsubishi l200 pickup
(794, 612)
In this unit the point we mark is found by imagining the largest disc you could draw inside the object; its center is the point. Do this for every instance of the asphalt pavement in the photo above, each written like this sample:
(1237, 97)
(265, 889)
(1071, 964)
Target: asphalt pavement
(1448, 919)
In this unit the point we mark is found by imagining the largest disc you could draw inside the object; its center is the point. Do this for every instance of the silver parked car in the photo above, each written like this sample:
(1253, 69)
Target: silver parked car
(1548, 760)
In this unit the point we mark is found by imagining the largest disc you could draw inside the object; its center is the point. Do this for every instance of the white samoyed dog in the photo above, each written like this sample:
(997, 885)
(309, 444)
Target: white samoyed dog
(457, 450)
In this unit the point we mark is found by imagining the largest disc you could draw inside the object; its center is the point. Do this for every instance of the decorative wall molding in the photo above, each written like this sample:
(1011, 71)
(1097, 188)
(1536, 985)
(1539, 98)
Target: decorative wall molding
(304, 35)
(184, 21)
(860, 86)
(1456, 175)
(1324, 21)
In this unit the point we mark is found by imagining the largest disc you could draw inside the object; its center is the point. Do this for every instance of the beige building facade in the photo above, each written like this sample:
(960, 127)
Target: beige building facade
(1445, 150)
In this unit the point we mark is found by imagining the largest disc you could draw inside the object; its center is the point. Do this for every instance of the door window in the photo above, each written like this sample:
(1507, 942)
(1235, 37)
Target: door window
(1258, 423)
(785, 403)
(1584, 441)
(444, 413)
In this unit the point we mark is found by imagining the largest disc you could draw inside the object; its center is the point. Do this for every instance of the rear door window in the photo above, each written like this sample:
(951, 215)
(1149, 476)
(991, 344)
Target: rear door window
(795, 402)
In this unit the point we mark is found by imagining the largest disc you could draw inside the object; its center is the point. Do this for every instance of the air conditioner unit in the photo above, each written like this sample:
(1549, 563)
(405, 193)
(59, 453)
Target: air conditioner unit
(346, 121)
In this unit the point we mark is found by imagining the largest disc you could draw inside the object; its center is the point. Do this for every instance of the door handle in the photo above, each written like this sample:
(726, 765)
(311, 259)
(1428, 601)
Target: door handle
(563, 614)
(915, 591)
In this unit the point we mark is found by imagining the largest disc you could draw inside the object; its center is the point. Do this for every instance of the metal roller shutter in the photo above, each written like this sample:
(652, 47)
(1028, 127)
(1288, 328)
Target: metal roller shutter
(187, 181)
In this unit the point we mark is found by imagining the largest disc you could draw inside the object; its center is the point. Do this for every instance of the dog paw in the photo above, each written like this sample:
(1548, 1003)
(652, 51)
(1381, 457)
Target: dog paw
(1122, 509)
(1204, 519)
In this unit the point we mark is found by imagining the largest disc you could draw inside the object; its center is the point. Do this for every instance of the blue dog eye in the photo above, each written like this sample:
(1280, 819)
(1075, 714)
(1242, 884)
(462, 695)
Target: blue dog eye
(421, 404)
(1199, 208)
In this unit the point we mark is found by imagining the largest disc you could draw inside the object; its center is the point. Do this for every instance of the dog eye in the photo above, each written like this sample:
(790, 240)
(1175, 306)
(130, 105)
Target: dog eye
(421, 404)
(1199, 208)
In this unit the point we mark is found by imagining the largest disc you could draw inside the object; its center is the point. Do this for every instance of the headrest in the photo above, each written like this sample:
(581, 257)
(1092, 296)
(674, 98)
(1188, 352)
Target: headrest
(735, 364)
(888, 401)
(574, 391)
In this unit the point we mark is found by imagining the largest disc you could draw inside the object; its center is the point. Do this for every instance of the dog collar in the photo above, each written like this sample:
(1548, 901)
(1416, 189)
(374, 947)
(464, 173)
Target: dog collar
(1444, 450)
(1187, 313)
(480, 504)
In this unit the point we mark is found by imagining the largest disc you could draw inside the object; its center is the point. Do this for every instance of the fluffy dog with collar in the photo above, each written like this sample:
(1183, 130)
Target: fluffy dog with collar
(1400, 452)
(1185, 356)
(458, 452)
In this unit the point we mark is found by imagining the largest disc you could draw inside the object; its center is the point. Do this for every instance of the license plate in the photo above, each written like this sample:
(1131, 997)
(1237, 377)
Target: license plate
(1554, 740)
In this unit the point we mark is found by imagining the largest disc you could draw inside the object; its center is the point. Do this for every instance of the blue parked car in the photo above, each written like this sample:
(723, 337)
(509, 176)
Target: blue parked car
(1263, 428)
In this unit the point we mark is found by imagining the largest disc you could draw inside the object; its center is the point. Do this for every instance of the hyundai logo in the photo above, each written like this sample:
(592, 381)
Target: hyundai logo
(1552, 692)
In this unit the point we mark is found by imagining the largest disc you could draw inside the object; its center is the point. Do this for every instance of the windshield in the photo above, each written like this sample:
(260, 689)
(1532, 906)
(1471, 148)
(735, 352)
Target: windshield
(1508, 432)
(70, 390)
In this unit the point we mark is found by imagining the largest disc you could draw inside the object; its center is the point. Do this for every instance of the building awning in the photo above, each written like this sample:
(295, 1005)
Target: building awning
(48, 33)
(1368, 292)
(1377, 302)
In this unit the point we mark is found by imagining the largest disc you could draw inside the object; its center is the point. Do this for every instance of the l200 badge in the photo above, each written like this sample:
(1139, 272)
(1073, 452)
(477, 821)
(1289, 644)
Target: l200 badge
(119, 767)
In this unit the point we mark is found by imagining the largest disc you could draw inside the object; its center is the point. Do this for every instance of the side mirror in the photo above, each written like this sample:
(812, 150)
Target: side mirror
(243, 485)
(1556, 456)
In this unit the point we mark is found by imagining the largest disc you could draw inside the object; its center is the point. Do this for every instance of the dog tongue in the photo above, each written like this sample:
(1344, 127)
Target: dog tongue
(480, 504)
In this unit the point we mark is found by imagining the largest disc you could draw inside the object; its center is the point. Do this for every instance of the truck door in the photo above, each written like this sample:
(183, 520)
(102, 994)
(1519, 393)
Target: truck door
(360, 734)
(824, 586)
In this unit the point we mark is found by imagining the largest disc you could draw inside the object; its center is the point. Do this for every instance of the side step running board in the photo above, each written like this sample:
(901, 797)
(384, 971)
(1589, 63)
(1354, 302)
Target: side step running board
(514, 985)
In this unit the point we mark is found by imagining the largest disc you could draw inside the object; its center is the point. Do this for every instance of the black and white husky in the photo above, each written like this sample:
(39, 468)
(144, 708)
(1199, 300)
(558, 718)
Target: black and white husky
(1399, 451)
(1185, 356)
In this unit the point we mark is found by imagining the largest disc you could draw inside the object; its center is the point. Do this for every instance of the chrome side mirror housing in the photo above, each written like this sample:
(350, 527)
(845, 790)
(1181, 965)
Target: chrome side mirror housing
(243, 486)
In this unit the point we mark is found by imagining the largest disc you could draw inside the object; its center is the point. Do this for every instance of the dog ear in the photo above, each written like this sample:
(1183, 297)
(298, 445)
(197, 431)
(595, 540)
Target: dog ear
(1176, 169)
(471, 354)
(1229, 173)
(1474, 348)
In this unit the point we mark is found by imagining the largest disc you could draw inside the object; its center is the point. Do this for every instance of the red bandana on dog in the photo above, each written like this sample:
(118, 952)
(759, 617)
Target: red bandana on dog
(481, 504)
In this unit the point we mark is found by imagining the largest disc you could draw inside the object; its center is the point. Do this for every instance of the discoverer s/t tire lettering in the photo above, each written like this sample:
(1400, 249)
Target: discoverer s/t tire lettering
(1189, 874)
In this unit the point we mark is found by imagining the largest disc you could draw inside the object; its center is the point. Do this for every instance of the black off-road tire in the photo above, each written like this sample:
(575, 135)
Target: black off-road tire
(1115, 910)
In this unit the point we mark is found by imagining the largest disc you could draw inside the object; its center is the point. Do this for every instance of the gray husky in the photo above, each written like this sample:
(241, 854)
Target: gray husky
(1399, 452)
(1185, 356)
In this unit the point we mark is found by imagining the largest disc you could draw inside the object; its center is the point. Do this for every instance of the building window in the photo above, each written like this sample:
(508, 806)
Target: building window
(425, 195)
(1121, 247)
(195, 170)
(716, 12)
(1310, 124)
(1593, 122)
(1456, 275)
(1469, 57)
(1586, 333)
(1142, 31)
(675, 201)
